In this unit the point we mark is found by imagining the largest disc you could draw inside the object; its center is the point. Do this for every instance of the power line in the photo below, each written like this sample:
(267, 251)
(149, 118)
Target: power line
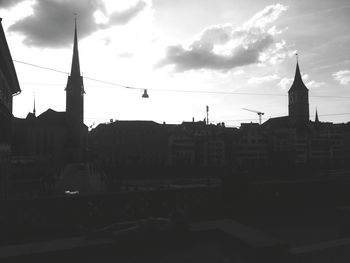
(41, 67)
(66, 73)
(178, 90)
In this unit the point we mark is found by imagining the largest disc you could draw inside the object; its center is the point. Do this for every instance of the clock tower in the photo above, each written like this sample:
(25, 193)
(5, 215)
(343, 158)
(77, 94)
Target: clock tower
(298, 96)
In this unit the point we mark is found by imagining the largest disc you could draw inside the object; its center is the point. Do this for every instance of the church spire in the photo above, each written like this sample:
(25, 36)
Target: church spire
(316, 117)
(298, 81)
(298, 96)
(34, 111)
(75, 85)
(75, 70)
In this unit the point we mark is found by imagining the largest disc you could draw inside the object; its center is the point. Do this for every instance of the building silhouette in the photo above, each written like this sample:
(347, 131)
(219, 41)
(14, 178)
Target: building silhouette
(296, 140)
(58, 137)
(286, 141)
(75, 107)
(44, 145)
(9, 86)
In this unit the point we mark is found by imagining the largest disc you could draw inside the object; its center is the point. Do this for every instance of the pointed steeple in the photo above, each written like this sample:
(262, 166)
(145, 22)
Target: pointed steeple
(75, 106)
(298, 96)
(298, 81)
(75, 86)
(34, 111)
(75, 70)
(316, 117)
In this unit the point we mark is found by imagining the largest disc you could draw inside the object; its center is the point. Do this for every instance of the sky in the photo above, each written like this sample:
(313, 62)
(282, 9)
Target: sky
(226, 54)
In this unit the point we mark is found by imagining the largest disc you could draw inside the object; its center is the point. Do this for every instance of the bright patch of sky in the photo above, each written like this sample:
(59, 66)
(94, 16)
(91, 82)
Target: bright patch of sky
(172, 47)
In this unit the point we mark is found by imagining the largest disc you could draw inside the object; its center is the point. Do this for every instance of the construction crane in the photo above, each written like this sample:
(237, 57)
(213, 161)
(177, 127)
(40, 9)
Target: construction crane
(257, 112)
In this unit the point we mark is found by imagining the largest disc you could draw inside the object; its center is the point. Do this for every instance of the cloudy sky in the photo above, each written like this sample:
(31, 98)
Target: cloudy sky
(227, 54)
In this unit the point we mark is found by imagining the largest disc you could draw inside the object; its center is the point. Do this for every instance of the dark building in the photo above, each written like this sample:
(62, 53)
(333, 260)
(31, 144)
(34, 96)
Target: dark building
(58, 137)
(126, 150)
(9, 86)
(198, 144)
(130, 143)
(298, 96)
(48, 146)
(295, 140)
(298, 106)
(42, 138)
(249, 147)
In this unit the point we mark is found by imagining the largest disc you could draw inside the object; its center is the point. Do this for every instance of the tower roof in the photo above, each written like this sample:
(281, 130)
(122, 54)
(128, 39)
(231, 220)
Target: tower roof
(34, 110)
(298, 83)
(316, 117)
(75, 70)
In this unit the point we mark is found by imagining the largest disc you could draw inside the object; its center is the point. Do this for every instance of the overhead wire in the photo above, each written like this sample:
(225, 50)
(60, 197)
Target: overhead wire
(175, 90)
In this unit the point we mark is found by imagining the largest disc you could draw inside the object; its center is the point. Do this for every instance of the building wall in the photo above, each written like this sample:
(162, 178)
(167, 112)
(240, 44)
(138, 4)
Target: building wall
(8, 86)
(250, 147)
(130, 143)
(182, 150)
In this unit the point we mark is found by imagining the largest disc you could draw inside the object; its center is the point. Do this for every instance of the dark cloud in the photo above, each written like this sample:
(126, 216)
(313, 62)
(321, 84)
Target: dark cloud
(126, 15)
(9, 3)
(223, 47)
(51, 24)
(203, 57)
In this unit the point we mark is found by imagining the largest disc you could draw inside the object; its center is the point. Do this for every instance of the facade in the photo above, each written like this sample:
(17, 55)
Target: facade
(249, 147)
(182, 149)
(43, 138)
(130, 143)
(149, 144)
(329, 143)
(198, 144)
(9, 86)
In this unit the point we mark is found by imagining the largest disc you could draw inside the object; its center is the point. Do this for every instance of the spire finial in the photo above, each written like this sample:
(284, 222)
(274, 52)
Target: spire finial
(297, 76)
(75, 21)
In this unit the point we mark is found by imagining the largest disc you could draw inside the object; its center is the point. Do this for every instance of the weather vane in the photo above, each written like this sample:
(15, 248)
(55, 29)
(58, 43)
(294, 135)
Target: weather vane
(296, 54)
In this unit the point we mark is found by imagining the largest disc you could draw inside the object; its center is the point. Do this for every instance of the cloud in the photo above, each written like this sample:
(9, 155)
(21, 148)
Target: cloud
(123, 17)
(238, 72)
(314, 84)
(285, 83)
(9, 3)
(51, 23)
(259, 80)
(223, 47)
(342, 76)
